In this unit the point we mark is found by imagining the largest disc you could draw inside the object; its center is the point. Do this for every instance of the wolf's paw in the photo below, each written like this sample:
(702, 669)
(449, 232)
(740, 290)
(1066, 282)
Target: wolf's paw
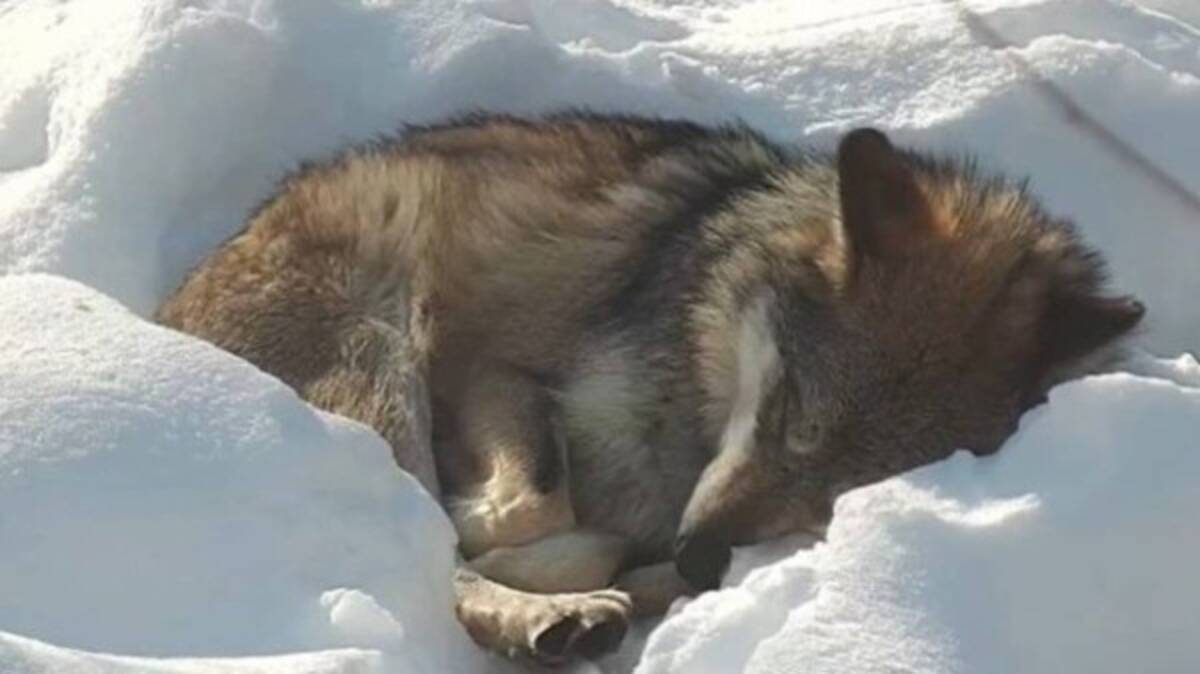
(549, 629)
(588, 625)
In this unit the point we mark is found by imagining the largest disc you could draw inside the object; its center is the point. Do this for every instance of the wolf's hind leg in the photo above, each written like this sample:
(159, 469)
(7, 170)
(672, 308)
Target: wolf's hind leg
(300, 312)
(546, 628)
(377, 379)
(573, 561)
(505, 463)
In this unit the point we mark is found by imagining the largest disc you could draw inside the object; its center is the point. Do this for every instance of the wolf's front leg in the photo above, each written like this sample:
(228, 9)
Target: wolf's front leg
(572, 612)
(549, 629)
(653, 588)
(573, 561)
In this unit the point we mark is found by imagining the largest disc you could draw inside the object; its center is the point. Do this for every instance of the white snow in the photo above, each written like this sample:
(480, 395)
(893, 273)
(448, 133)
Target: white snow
(164, 501)
(161, 497)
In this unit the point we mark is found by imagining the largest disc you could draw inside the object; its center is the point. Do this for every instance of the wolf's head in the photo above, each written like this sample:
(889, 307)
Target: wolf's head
(921, 311)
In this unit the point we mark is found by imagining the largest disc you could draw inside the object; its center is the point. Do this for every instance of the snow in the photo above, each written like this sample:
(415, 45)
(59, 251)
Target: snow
(20, 655)
(169, 503)
(161, 497)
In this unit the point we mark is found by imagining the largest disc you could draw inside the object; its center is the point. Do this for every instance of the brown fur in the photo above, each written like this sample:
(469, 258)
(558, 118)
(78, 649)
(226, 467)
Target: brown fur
(605, 342)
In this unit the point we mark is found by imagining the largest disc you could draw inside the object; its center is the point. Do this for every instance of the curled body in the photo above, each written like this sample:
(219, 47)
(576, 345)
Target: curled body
(613, 347)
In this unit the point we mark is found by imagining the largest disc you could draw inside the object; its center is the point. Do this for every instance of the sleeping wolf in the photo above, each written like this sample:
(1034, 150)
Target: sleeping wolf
(614, 347)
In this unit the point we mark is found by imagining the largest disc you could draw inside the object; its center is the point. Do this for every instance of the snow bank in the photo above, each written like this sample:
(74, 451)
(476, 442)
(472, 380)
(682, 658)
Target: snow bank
(159, 498)
(19, 655)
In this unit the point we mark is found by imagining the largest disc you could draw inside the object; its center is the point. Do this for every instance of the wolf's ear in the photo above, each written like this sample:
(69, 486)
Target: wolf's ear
(884, 211)
(1075, 325)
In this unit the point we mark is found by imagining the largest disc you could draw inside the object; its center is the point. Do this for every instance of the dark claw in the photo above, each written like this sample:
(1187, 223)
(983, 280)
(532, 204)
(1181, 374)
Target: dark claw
(701, 561)
(600, 639)
(554, 642)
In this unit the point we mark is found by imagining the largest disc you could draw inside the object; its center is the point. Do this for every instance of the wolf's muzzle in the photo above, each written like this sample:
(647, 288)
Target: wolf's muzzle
(701, 560)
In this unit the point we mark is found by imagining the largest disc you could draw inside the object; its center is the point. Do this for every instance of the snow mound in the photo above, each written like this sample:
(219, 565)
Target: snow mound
(1069, 551)
(161, 497)
(19, 655)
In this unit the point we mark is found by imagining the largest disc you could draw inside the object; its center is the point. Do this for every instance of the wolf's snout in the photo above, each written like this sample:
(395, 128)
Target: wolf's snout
(701, 560)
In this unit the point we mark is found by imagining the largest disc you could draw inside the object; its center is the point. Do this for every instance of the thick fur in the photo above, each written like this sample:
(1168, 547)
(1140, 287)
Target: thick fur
(649, 339)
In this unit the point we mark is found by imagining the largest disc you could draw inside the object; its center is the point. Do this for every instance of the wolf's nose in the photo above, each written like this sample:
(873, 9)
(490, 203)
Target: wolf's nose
(701, 560)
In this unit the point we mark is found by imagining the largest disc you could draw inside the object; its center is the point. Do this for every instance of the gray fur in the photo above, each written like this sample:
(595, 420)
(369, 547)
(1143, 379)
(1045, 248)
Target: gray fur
(561, 325)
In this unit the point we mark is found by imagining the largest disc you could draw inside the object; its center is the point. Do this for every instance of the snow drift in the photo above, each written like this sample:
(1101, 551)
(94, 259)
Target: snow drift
(161, 497)
(162, 500)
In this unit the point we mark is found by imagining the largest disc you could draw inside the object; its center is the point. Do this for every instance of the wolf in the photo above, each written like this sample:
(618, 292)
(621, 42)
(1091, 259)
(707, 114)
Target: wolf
(614, 347)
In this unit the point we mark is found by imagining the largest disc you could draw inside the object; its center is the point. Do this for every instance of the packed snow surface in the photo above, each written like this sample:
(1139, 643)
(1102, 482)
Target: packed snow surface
(165, 507)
